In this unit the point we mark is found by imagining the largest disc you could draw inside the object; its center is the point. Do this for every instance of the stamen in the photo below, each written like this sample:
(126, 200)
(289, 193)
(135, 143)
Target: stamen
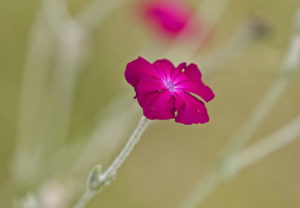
(170, 86)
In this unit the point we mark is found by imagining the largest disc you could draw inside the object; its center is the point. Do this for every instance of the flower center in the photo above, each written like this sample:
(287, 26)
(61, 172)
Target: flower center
(170, 86)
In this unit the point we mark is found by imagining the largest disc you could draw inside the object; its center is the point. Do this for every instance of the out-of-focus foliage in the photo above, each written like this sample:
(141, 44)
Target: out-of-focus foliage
(171, 157)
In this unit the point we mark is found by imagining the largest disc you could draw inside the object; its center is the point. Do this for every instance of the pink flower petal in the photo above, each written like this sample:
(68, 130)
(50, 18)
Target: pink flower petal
(165, 68)
(170, 16)
(157, 102)
(161, 90)
(193, 72)
(178, 71)
(137, 69)
(190, 110)
(190, 81)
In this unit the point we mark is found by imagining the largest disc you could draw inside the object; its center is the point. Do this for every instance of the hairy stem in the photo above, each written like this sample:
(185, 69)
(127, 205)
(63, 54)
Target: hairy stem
(29, 149)
(237, 162)
(97, 180)
(249, 31)
(85, 199)
(264, 147)
(217, 173)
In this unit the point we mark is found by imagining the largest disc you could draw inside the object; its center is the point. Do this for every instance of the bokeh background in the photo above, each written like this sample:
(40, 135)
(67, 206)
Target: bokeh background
(59, 123)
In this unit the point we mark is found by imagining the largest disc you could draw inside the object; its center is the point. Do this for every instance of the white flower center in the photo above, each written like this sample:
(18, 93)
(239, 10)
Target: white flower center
(170, 86)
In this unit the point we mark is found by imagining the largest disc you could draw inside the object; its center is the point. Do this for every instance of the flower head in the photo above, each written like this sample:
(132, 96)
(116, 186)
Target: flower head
(169, 17)
(165, 91)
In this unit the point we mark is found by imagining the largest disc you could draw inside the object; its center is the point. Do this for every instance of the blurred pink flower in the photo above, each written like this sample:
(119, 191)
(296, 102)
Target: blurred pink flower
(170, 17)
(166, 92)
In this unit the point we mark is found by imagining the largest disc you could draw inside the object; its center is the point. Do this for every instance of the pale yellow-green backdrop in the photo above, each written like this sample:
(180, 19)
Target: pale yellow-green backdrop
(171, 158)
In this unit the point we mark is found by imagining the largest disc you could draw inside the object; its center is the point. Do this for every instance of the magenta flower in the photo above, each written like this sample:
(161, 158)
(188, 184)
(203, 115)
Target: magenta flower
(170, 17)
(166, 92)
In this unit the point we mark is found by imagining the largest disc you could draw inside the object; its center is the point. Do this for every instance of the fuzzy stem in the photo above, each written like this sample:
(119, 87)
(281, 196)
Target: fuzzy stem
(56, 14)
(98, 180)
(249, 31)
(107, 120)
(96, 11)
(211, 14)
(245, 133)
(28, 150)
(264, 147)
(220, 169)
(237, 162)
(211, 18)
(72, 45)
(133, 140)
(290, 65)
(85, 199)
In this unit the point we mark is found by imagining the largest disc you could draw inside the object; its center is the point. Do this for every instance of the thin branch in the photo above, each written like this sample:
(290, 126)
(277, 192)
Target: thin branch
(28, 149)
(234, 164)
(96, 12)
(216, 173)
(249, 31)
(263, 148)
(97, 180)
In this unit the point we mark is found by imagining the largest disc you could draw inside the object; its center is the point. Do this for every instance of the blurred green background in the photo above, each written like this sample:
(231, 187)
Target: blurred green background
(171, 158)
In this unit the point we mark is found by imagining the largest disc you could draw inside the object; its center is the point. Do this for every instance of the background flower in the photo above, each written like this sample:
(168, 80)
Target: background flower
(171, 17)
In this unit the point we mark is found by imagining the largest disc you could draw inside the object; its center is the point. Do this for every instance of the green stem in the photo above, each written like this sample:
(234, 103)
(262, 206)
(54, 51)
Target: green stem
(220, 168)
(98, 180)
(264, 147)
(235, 163)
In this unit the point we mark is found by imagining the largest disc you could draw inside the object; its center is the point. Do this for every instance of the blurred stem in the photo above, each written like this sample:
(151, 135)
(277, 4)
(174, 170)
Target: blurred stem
(246, 34)
(108, 119)
(211, 11)
(289, 67)
(85, 199)
(216, 174)
(245, 133)
(96, 11)
(56, 13)
(211, 14)
(44, 108)
(72, 44)
(37, 117)
(29, 149)
(74, 37)
(237, 162)
(262, 148)
(97, 180)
